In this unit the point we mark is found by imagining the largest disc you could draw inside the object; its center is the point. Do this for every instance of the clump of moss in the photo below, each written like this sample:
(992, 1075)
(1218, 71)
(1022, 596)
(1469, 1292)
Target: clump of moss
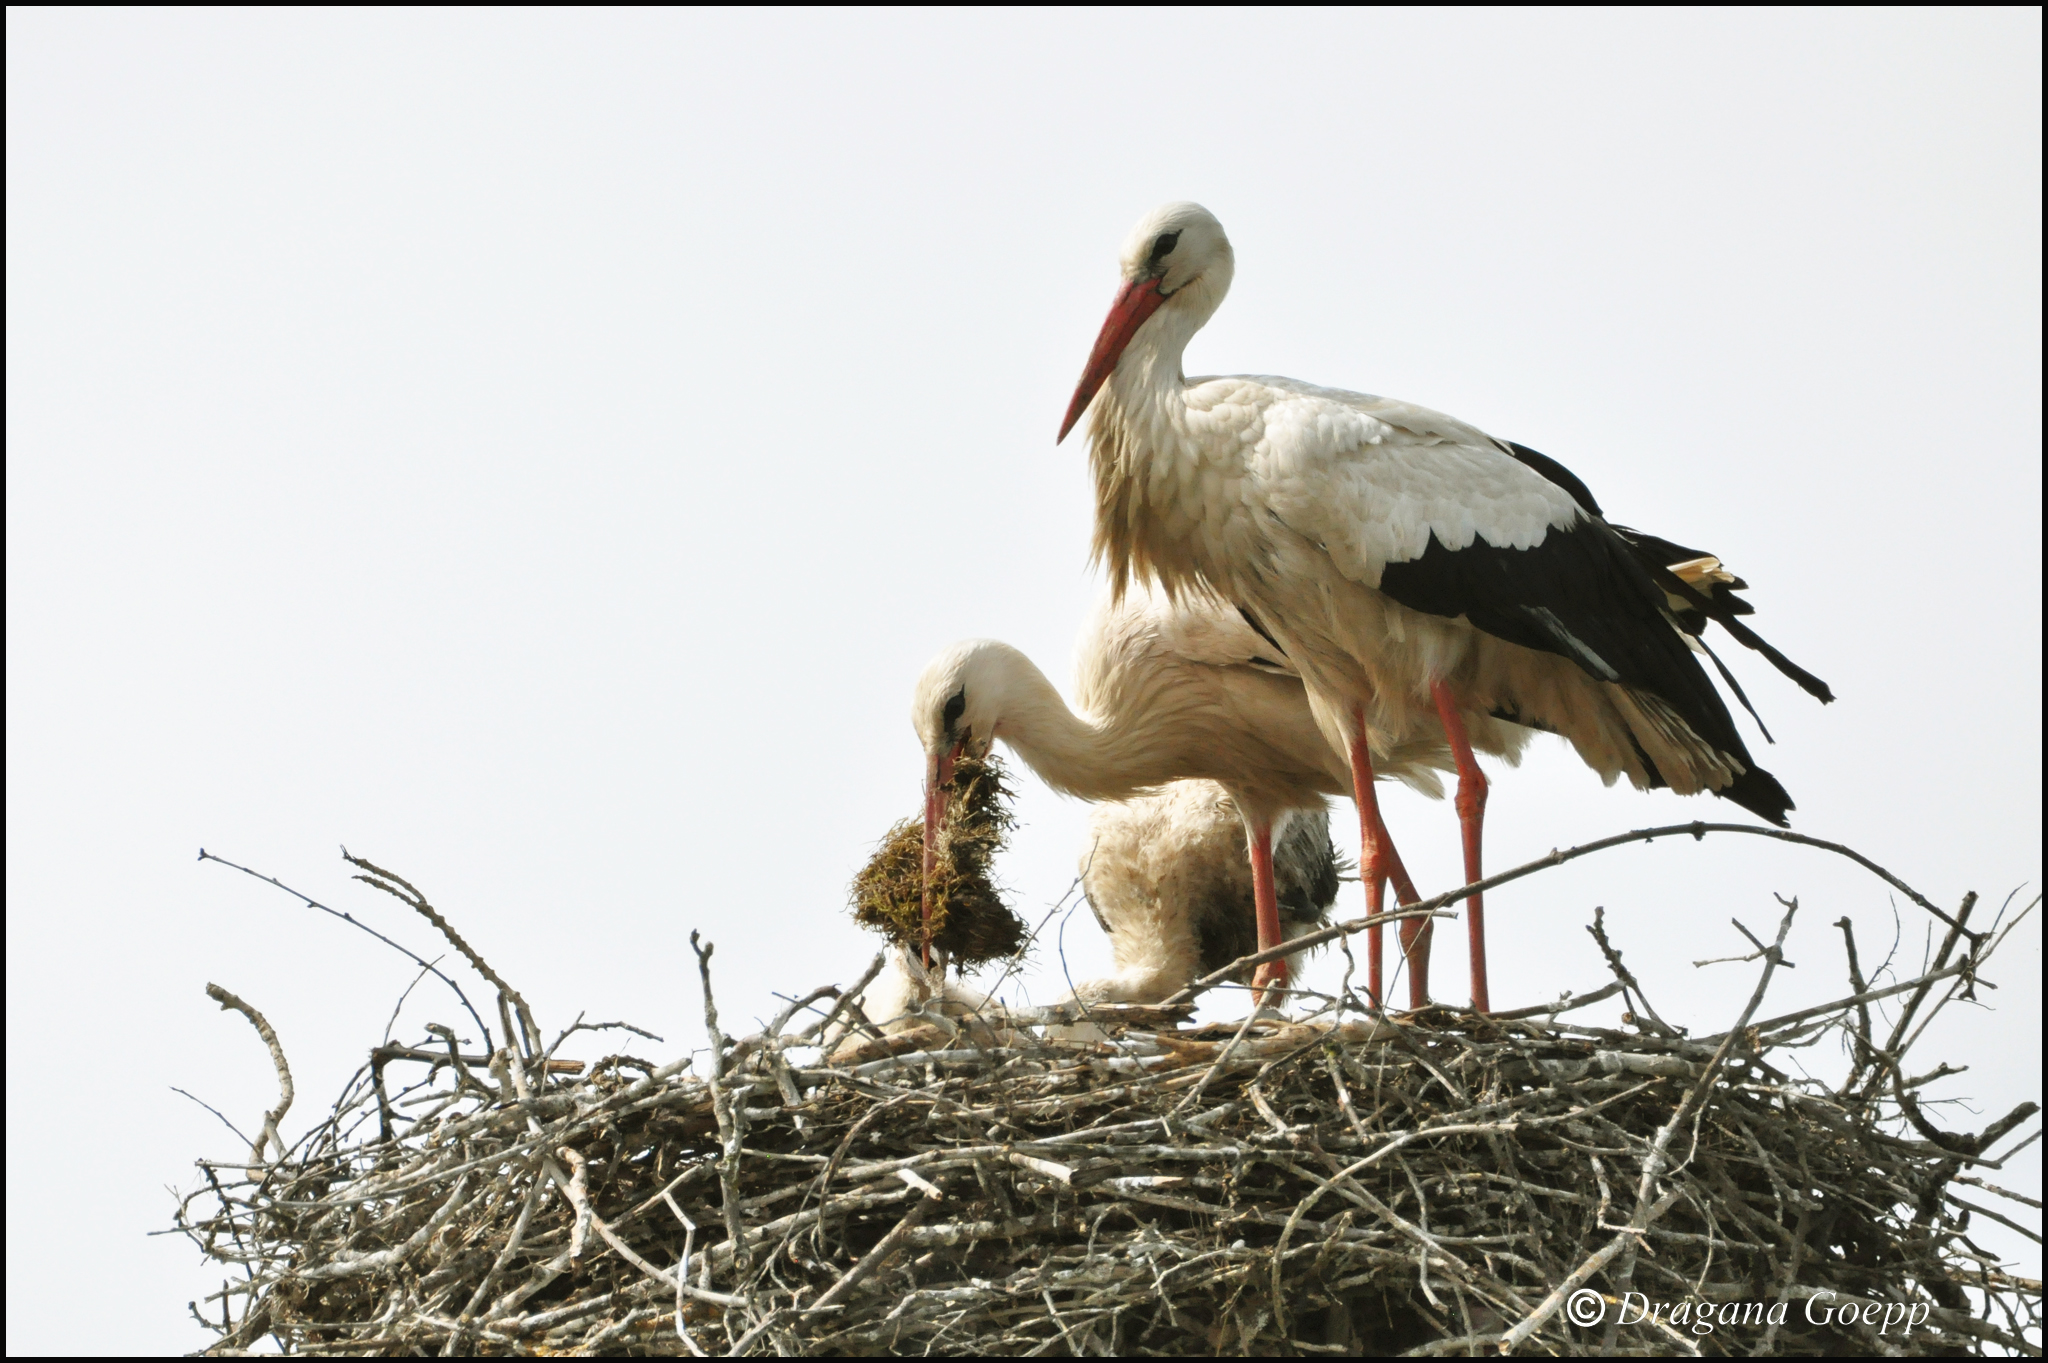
(970, 922)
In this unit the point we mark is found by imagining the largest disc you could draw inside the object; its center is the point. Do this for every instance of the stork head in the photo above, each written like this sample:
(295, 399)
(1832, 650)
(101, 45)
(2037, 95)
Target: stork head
(1175, 261)
(960, 702)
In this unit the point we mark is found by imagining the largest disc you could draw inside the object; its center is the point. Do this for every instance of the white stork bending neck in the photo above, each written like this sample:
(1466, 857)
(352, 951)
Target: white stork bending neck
(1079, 756)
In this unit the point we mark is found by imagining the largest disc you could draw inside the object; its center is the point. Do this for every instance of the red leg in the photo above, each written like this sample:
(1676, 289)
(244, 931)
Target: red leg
(1415, 938)
(1471, 817)
(1377, 859)
(1271, 977)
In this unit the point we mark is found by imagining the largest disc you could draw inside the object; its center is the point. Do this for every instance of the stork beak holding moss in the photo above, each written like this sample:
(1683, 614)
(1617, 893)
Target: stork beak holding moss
(938, 775)
(932, 890)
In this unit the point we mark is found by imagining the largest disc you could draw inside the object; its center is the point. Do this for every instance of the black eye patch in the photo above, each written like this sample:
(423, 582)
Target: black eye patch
(1163, 247)
(956, 705)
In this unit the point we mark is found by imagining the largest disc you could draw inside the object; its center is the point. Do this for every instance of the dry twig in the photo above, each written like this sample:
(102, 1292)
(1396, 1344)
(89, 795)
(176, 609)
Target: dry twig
(268, 1135)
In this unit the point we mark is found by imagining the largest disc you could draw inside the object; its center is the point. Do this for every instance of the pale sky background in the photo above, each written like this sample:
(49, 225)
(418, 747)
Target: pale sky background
(540, 450)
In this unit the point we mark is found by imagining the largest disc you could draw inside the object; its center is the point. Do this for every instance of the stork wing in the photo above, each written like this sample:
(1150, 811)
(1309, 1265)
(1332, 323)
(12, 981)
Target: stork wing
(1704, 589)
(1444, 520)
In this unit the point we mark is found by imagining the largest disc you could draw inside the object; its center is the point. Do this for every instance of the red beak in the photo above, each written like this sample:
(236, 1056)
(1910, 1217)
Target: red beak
(938, 774)
(1134, 303)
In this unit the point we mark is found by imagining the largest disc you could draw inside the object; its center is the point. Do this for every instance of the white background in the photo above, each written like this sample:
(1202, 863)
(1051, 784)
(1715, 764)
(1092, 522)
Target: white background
(540, 450)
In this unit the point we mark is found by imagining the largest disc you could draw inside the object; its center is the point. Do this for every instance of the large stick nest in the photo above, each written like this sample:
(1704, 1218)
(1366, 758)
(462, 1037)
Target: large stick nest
(1434, 1183)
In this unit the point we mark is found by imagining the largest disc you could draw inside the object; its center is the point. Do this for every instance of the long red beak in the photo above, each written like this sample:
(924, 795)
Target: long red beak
(1134, 303)
(938, 774)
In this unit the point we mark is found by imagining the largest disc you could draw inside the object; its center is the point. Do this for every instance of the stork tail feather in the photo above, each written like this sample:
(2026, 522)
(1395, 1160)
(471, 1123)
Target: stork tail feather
(1736, 687)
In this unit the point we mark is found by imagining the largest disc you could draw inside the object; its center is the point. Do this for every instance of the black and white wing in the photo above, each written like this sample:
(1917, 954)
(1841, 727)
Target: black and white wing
(1446, 521)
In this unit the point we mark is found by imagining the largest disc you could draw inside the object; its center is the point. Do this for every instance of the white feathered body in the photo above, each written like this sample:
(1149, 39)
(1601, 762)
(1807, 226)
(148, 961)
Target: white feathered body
(1292, 500)
(1189, 729)
(1236, 705)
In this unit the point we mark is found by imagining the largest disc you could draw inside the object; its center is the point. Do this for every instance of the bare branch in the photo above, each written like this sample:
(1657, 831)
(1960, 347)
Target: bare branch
(395, 885)
(1436, 906)
(354, 922)
(271, 1118)
(729, 1115)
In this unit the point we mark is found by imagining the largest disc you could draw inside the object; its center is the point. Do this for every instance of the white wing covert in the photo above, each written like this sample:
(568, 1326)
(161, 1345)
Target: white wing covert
(1371, 480)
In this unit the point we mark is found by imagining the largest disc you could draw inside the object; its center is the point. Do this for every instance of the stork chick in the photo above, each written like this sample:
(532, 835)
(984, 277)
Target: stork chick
(1168, 878)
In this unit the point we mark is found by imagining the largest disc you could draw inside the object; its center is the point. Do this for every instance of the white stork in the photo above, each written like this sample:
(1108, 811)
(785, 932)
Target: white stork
(1168, 691)
(1422, 577)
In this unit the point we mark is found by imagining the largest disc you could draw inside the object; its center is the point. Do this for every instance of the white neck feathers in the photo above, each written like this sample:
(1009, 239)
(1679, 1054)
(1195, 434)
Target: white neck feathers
(1105, 759)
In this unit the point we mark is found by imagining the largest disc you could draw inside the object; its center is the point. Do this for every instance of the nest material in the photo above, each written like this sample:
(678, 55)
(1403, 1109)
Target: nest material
(970, 921)
(1365, 1186)
(1350, 1183)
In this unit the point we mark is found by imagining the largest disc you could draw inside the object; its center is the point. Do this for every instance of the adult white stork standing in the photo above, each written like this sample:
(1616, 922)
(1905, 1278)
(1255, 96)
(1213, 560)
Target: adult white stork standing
(1168, 691)
(1420, 575)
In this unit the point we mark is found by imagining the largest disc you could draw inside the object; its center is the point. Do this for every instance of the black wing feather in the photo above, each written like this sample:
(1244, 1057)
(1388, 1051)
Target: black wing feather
(1717, 602)
(1720, 605)
(1583, 594)
(1551, 471)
